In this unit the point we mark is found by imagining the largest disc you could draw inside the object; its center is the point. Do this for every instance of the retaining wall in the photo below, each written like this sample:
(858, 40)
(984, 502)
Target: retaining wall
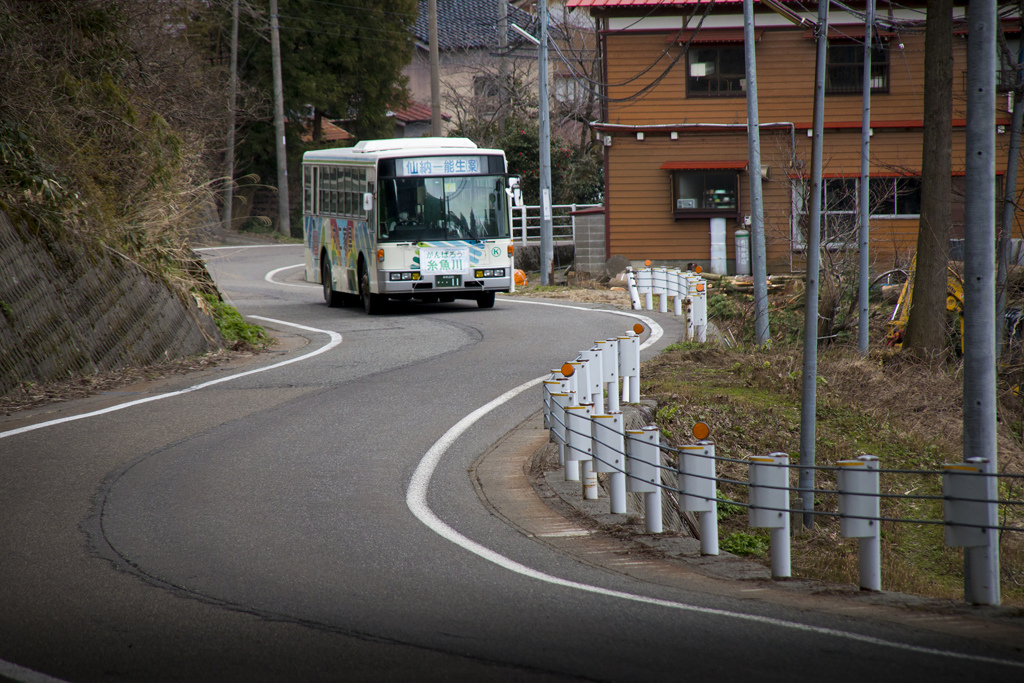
(66, 309)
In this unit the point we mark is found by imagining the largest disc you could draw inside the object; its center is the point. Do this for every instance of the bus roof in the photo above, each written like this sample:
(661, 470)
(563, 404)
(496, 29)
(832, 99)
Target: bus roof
(369, 150)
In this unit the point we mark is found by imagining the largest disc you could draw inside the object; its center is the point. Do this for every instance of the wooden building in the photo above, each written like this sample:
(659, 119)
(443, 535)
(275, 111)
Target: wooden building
(675, 134)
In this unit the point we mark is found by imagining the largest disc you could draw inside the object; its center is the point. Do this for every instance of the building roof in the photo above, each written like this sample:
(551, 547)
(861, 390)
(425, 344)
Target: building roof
(416, 112)
(463, 24)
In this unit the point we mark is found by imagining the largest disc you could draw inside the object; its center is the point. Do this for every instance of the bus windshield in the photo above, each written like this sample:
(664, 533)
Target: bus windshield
(442, 208)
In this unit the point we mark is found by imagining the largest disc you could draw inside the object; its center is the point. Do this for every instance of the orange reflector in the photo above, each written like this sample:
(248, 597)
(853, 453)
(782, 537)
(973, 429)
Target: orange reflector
(700, 286)
(638, 328)
(698, 269)
(701, 431)
(568, 370)
(380, 255)
(511, 250)
(647, 262)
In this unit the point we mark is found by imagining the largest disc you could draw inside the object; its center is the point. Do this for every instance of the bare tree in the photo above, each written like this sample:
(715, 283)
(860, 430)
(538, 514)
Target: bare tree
(926, 327)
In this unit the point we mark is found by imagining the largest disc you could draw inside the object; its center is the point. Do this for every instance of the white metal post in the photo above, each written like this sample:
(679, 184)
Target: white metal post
(698, 491)
(678, 291)
(595, 377)
(578, 443)
(559, 402)
(610, 368)
(634, 294)
(859, 511)
(643, 457)
(610, 456)
(629, 367)
(645, 285)
(660, 287)
(970, 510)
(769, 506)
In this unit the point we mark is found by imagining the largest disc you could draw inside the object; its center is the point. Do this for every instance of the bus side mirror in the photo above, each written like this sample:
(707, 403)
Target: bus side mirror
(514, 191)
(367, 201)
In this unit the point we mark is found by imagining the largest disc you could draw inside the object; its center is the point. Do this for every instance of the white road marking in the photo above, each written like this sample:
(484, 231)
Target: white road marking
(416, 500)
(269, 277)
(335, 340)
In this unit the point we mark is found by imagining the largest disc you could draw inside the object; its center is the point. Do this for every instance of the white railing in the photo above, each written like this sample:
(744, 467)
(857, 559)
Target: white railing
(526, 222)
(582, 411)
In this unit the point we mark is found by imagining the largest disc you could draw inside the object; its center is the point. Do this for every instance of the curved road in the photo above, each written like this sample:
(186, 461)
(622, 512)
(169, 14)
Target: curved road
(314, 520)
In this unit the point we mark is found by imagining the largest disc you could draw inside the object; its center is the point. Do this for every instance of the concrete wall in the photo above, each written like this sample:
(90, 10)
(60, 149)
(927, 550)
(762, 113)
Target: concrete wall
(66, 310)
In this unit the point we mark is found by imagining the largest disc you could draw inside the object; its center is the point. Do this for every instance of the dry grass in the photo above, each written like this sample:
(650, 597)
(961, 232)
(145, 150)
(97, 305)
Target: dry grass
(907, 413)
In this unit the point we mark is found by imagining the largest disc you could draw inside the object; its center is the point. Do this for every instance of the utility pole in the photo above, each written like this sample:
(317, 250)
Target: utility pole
(435, 70)
(1009, 193)
(808, 403)
(502, 64)
(284, 225)
(865, 184)
(757, 247)
(547, 248)
(981, 563)
(229, 191)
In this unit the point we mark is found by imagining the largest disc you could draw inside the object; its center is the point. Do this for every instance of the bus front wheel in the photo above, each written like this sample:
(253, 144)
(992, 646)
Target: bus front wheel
(485, 300)
(372, 303)
(333, 298)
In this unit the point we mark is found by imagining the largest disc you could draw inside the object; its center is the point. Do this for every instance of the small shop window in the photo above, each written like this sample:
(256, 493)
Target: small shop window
(845, 70)
(702, 191)
(716, 71)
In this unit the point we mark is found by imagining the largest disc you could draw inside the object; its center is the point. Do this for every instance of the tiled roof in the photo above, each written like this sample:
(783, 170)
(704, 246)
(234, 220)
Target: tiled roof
(463, 24)
(416, 112)
(329, 132)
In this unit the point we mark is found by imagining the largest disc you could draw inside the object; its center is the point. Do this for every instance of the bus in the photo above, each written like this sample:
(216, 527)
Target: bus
(417, 218)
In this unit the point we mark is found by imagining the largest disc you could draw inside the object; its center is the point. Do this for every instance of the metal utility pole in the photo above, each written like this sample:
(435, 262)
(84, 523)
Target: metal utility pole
(502, 64)
(981, 563)
(284, 225)
(865, 184)
(1009, 192)
(547, 247)
(435, 70)
(757, 247)
(809, 399)
(229, 191)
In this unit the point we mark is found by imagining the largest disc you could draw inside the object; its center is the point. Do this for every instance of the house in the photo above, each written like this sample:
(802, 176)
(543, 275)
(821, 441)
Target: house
(469, 55)
(675, 135)
(414, 120)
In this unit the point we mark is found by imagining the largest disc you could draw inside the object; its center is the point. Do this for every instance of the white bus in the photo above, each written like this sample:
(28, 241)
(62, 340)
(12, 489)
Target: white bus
(417, 218)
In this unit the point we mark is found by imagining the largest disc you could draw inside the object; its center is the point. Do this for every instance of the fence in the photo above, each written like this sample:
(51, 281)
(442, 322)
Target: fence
(591, 438)
(526, 222)
(687, 289)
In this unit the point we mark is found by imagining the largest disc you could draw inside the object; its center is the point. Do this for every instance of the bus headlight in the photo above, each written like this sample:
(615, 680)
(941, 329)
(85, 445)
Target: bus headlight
(489, 272)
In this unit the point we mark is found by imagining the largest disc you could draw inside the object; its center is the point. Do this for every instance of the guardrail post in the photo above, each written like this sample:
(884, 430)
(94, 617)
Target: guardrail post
(595, 377)
(678, 291)
(580, 380)
(629, 367)
(552, 386)
(769, 506)
(700, 300)
(643, 457)
(859, 512)
(579, 444)
(970, 511)
(698, 491)
(659, 285)
(559, 402)
(634, 293)
(610, 370)
(610, 456)
(645, 285)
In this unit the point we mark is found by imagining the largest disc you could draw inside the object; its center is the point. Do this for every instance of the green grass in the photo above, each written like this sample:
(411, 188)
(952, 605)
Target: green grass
(233, 327)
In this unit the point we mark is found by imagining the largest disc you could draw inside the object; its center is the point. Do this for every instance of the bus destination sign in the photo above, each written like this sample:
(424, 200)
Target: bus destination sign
(434, 166)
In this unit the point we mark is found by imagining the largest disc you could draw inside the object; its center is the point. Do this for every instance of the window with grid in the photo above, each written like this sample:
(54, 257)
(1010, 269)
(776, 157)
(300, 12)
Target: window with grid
(845, 69)
(716, 71)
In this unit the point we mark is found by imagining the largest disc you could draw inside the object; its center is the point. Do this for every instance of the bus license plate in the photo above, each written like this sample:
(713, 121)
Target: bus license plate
(447, 281)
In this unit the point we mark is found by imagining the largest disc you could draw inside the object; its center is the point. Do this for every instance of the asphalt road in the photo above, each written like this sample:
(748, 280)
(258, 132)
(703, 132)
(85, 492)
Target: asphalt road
(316, 521)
